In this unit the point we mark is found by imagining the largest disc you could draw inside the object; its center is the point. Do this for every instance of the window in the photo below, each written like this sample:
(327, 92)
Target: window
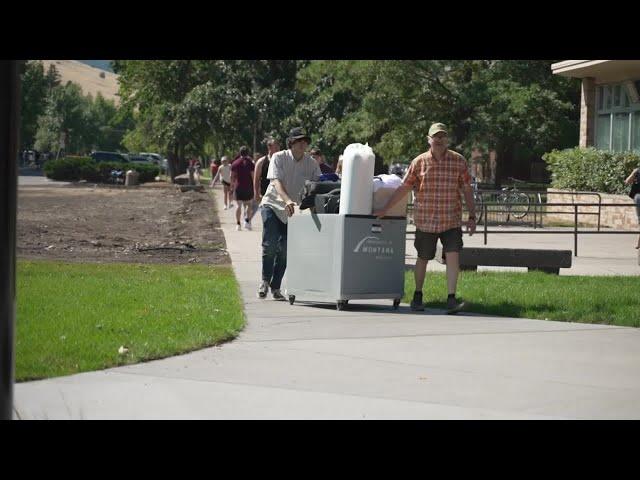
(603, 129)
(617, 119)
(620, 136)
(635, 132)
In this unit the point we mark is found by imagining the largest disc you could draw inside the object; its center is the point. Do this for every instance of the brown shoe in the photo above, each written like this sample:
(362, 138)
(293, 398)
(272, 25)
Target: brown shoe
(416, 304)
(454, 305)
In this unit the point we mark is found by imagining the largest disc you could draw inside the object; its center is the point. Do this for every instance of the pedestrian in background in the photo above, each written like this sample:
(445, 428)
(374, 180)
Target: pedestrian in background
(634, 181)
(224, 175)
(242, 186)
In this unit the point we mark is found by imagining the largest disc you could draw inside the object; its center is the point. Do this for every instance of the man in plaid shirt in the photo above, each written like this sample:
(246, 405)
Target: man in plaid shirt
(437, 177)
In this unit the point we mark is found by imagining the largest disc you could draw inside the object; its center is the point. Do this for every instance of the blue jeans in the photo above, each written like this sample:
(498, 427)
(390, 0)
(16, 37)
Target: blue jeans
(274, 247)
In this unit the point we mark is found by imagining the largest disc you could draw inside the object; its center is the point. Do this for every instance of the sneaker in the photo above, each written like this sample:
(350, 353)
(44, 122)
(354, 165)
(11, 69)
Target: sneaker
(416, 304)
(238, 228)
(225, 207)
(264, 288)
(454, 305)
(277, 294)
(247, 225)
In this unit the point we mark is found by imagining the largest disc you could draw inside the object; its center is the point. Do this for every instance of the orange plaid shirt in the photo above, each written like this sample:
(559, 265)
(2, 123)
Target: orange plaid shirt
(438, 188)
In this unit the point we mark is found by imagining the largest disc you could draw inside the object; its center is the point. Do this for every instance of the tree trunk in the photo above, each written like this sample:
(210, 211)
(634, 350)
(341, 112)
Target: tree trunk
(172, 163)
(255, 133)
(504, 154)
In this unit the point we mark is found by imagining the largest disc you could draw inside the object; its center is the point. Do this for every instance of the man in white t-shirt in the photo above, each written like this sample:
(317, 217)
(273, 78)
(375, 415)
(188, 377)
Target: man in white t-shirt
(288, 170)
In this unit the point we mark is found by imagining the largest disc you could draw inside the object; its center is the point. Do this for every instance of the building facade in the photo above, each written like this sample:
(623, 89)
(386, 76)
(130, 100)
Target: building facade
(610, 102)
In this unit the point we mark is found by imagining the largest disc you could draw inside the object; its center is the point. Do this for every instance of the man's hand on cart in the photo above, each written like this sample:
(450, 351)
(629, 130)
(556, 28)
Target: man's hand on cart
(380, 213)
(290, 208)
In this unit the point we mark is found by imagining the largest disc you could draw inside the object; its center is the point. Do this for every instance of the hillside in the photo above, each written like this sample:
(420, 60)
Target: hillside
(88, 77)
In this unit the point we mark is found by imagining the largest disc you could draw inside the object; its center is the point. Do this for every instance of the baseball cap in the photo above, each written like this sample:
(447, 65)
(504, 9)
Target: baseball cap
(437, 127)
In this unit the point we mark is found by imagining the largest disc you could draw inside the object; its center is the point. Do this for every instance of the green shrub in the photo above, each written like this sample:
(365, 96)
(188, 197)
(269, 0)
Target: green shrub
(147, 173)
(588, 169)
(72, 169)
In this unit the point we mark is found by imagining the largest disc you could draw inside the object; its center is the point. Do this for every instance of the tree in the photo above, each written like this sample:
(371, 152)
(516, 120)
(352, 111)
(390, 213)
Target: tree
(502, 105)
(184, 105)
(36, 86)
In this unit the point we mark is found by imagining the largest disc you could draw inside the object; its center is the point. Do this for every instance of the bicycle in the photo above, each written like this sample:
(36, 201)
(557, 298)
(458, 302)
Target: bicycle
(514, 202)
(477, 200)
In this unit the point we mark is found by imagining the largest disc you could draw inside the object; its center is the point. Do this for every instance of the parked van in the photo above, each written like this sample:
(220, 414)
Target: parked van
(108, 157)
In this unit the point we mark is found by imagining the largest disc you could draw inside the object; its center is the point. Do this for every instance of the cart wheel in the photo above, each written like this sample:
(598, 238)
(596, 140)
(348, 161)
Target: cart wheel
(340, 304)
(396, 303)
(292, 298)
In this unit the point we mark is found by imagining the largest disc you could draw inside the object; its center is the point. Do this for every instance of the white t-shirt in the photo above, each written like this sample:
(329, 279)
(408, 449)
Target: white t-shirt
(292, 174)
(224, 173)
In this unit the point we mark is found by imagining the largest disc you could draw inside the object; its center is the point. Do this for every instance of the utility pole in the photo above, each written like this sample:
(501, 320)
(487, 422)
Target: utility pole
(9, 141)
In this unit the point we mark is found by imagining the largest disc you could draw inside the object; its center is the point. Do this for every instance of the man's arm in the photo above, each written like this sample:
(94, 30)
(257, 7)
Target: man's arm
(257, 173)
(284, 195)
(398, 195)
(471, 207)
(630, 178)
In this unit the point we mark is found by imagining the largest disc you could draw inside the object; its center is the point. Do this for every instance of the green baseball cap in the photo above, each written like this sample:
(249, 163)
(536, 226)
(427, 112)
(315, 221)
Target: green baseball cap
(437, 127)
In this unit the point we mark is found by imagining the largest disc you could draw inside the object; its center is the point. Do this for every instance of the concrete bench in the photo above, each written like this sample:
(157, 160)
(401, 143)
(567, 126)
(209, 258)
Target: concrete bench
(550, 261)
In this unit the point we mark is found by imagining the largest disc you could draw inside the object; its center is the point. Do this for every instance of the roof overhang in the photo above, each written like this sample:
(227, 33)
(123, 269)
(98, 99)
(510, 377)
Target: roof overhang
(604, 71)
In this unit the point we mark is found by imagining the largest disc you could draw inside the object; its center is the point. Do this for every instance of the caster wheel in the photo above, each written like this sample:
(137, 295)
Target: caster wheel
(292, 298)
(396, 303)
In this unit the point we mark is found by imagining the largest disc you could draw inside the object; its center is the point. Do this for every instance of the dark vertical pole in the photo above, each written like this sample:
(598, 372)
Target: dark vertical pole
(9, 128)
(484, 205)
(575, 231)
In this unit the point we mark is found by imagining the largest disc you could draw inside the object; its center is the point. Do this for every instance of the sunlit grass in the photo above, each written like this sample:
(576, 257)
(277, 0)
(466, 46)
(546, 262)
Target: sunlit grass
(606, 300)
(74, 317)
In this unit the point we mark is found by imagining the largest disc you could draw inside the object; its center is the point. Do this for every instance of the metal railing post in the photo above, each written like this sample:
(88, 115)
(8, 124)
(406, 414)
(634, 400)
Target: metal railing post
(575, 231)
(484, 207)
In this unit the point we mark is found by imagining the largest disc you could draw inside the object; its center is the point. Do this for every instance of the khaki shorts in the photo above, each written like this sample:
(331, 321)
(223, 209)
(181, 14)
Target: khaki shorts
(426, 242)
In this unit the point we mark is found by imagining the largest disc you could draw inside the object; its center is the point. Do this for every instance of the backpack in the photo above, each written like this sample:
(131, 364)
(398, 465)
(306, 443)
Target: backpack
(328, 202)
(311, 189)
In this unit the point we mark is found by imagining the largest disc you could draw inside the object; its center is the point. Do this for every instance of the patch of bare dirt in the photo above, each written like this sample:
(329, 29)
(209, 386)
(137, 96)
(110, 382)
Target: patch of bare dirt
(153, 223)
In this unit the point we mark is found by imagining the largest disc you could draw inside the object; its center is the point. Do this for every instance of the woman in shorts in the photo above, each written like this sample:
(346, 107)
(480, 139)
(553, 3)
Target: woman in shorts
(224, 175)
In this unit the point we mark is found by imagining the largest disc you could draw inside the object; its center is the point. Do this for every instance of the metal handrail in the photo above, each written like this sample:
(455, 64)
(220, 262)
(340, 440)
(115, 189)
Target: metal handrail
(575, 231)
(536, 210)
(583, 193)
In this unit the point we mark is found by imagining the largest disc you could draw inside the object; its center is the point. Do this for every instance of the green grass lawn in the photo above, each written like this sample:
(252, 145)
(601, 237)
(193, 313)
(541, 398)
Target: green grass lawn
(74, 317)
(605, 300)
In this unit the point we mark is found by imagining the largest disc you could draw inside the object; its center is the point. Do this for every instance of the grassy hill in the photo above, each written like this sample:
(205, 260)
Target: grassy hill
(91, 79)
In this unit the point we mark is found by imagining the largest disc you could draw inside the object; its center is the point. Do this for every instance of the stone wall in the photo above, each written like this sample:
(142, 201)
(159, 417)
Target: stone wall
(618, 218)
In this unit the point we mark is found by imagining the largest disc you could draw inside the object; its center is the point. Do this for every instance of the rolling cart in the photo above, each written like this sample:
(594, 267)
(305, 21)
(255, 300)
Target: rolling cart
(337, 258)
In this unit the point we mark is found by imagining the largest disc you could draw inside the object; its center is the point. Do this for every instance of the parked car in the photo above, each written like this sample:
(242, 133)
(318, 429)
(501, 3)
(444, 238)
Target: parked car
(108, 157)
(140, 159)
(154, 157)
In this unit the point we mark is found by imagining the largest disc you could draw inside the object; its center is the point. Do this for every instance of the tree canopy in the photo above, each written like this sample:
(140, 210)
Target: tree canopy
(184, 108)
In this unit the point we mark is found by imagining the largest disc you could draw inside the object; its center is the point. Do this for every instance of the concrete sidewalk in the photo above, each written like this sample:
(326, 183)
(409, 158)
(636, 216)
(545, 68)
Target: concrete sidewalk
(310, 361)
